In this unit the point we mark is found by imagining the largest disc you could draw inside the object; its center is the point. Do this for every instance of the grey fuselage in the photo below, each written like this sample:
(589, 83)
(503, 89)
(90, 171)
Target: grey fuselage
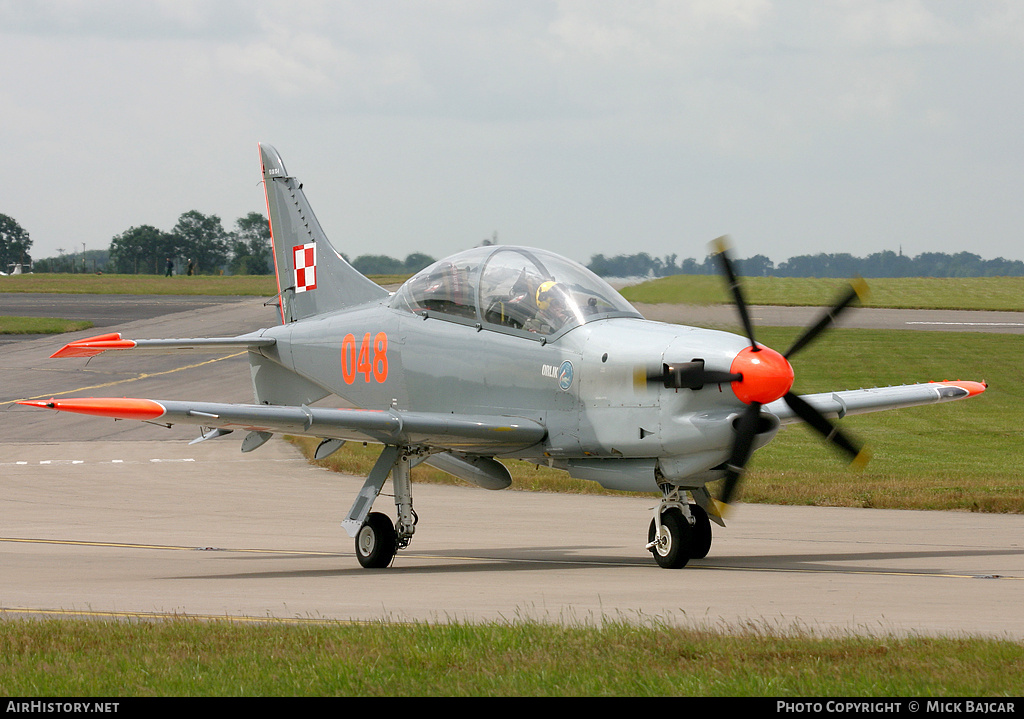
(580, 385)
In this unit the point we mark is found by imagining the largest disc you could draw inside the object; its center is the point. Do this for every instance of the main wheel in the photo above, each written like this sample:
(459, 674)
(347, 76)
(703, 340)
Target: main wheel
(701, 544)
(376, 541)
(672, 546)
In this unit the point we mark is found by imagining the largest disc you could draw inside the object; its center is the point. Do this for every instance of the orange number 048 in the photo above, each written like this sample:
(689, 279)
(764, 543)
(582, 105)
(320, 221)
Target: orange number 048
(370, 358)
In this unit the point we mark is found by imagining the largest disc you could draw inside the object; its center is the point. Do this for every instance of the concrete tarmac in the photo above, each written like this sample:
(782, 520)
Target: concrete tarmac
(164, 528)
(103, 311)
(105, 518)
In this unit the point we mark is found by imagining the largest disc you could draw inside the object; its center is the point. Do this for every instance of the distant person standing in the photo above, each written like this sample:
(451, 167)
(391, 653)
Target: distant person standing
(170, 268)
(191, 266)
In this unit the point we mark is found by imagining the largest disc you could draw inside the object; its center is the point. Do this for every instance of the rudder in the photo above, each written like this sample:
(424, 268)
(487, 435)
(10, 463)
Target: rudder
(312, 277)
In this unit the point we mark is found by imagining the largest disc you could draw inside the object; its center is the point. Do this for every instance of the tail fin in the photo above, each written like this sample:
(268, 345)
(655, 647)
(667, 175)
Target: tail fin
(312, 277)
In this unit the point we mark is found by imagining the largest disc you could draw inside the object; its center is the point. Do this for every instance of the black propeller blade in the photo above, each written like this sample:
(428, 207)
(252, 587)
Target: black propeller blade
(747, 425)
(858, 290)
(854, 450)
(721, 246)
(742, 448)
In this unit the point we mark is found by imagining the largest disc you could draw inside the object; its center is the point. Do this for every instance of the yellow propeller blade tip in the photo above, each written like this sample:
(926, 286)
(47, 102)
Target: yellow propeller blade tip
(720, 244)
(862, 458)
(719, 509)
(860, 286)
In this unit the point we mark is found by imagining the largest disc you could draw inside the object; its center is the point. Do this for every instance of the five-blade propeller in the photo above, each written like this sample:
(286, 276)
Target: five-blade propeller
(746, 426)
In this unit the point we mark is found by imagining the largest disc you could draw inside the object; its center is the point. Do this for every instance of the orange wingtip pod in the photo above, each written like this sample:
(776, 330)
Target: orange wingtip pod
(92, 346)
(972, 388)
(118, 408)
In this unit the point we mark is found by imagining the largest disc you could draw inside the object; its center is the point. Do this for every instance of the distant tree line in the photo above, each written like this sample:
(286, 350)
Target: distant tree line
(384, 265)
(14, 244)
(247, 250)
(198, 239)
(878, 264)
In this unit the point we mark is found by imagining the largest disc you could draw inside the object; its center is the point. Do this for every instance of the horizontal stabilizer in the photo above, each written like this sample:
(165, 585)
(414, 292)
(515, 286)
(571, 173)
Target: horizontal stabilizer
(92, 346)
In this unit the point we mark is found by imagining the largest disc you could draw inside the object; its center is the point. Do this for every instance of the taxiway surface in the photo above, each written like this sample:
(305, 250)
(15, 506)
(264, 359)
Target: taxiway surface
(120, 518)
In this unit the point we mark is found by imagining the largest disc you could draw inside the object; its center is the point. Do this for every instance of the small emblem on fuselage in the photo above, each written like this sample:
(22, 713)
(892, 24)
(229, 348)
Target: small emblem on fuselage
(562, 373)
(565, 375)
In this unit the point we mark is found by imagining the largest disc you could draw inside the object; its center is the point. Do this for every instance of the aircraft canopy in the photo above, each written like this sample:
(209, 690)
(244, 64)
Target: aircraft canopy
(517, 289)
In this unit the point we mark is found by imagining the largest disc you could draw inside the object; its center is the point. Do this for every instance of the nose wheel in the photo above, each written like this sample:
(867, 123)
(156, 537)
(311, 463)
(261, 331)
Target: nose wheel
(670, 538)
(679, 532)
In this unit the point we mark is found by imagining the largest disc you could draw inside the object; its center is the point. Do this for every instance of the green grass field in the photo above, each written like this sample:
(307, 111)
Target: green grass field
(969, 293)
(242, 285)
(964, 455)
(40, 325)
(647, 658)
(232, 285)
(980, 293)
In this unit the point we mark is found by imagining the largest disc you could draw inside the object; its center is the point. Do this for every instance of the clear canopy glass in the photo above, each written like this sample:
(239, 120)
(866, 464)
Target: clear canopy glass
(513, 288)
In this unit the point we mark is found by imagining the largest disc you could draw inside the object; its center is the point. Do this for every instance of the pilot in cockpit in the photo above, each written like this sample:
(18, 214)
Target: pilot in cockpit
(534, 305)
(552, 305)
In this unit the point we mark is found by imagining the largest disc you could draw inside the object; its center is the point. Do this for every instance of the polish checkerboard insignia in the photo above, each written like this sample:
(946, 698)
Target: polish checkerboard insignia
(305, 267)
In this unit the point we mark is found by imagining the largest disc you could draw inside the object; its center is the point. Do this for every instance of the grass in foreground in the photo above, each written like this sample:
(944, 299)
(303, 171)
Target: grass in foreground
(959, 456)
(40, 325)
(184, 657)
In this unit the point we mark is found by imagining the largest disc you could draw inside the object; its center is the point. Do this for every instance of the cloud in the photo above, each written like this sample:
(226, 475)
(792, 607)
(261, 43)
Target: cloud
(623, 123)
(126, 20)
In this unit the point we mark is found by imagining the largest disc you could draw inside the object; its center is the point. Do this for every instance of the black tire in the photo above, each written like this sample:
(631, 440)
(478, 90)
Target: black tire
(673, 551)
(701, 543)
(376, 541)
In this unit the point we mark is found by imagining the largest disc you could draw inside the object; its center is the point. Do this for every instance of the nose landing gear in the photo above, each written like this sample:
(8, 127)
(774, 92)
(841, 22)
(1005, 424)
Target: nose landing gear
(679, 532)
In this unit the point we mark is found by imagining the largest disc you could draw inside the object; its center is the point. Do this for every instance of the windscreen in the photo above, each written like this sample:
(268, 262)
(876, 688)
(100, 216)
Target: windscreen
(514, 288)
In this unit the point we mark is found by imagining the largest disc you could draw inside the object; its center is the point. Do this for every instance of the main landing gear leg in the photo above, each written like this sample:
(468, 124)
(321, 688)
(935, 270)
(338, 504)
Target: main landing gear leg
(377, 539)
(403, 500)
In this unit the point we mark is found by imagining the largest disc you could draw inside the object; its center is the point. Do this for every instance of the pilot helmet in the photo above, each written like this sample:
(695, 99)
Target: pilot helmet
(546, 293)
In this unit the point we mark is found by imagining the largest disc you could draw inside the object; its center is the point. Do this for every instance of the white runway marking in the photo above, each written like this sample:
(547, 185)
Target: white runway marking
(971, 324)
(64, 462)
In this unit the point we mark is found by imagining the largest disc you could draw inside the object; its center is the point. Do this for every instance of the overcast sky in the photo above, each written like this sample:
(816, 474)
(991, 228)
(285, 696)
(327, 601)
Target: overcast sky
(582, 127)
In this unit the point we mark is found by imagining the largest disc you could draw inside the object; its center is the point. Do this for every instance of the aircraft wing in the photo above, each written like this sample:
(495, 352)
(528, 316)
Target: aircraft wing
(92, 346)
(860, 401)
(472, 434)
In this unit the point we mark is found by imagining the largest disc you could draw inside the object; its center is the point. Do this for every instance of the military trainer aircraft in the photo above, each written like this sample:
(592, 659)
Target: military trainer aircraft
(504, 352)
